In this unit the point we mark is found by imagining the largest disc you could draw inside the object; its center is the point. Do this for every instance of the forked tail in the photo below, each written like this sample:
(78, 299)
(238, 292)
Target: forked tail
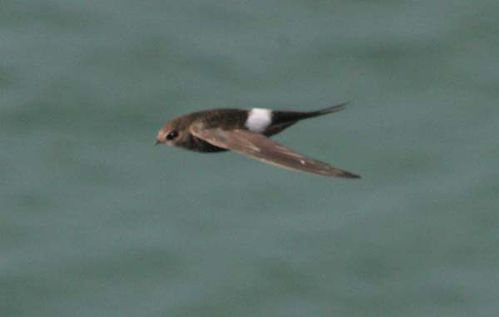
(332, 109)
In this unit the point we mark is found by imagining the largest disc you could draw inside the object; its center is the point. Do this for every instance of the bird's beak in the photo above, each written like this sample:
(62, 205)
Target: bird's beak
(157, 142)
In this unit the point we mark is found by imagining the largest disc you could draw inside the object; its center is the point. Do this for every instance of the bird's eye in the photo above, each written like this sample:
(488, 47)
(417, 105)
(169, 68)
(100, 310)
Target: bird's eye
(172, 135)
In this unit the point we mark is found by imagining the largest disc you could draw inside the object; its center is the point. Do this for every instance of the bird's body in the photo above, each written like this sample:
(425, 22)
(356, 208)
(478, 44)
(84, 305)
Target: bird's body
(246, 132)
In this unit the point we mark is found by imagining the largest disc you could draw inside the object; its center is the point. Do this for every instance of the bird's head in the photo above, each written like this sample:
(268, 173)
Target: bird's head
(171, 134)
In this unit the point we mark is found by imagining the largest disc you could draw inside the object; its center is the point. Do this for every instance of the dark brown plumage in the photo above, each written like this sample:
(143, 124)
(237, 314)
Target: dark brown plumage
(246, 132)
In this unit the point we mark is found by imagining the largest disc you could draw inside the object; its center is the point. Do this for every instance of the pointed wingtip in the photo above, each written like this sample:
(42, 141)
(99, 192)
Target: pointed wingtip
(346, 174)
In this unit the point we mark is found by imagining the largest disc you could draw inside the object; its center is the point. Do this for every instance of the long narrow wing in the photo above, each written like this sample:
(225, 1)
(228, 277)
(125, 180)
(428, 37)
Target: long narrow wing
(259, 147)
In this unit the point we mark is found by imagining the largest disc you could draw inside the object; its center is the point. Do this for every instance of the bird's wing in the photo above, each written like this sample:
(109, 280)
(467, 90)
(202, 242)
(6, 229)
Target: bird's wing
(259, 147)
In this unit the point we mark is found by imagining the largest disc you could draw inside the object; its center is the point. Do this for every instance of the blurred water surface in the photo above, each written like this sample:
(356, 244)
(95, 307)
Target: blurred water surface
(95, 221)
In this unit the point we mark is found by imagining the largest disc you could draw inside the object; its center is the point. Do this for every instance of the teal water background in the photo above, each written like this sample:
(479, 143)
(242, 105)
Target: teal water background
(96, 221)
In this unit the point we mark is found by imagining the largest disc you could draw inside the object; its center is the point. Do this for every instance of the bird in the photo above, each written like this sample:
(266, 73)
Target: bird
(247, 132)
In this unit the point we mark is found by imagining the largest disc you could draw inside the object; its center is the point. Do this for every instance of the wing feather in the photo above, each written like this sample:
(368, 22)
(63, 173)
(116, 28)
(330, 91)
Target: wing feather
(261, 148)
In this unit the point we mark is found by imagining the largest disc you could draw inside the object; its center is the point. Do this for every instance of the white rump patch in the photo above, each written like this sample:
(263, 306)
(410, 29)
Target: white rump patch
(259, 119)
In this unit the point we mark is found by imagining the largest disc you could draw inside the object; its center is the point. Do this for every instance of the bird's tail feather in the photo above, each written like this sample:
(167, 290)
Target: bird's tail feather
(293, 116)
(331, 109)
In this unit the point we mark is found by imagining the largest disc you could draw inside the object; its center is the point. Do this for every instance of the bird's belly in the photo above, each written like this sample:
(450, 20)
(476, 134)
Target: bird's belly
(202, 146)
